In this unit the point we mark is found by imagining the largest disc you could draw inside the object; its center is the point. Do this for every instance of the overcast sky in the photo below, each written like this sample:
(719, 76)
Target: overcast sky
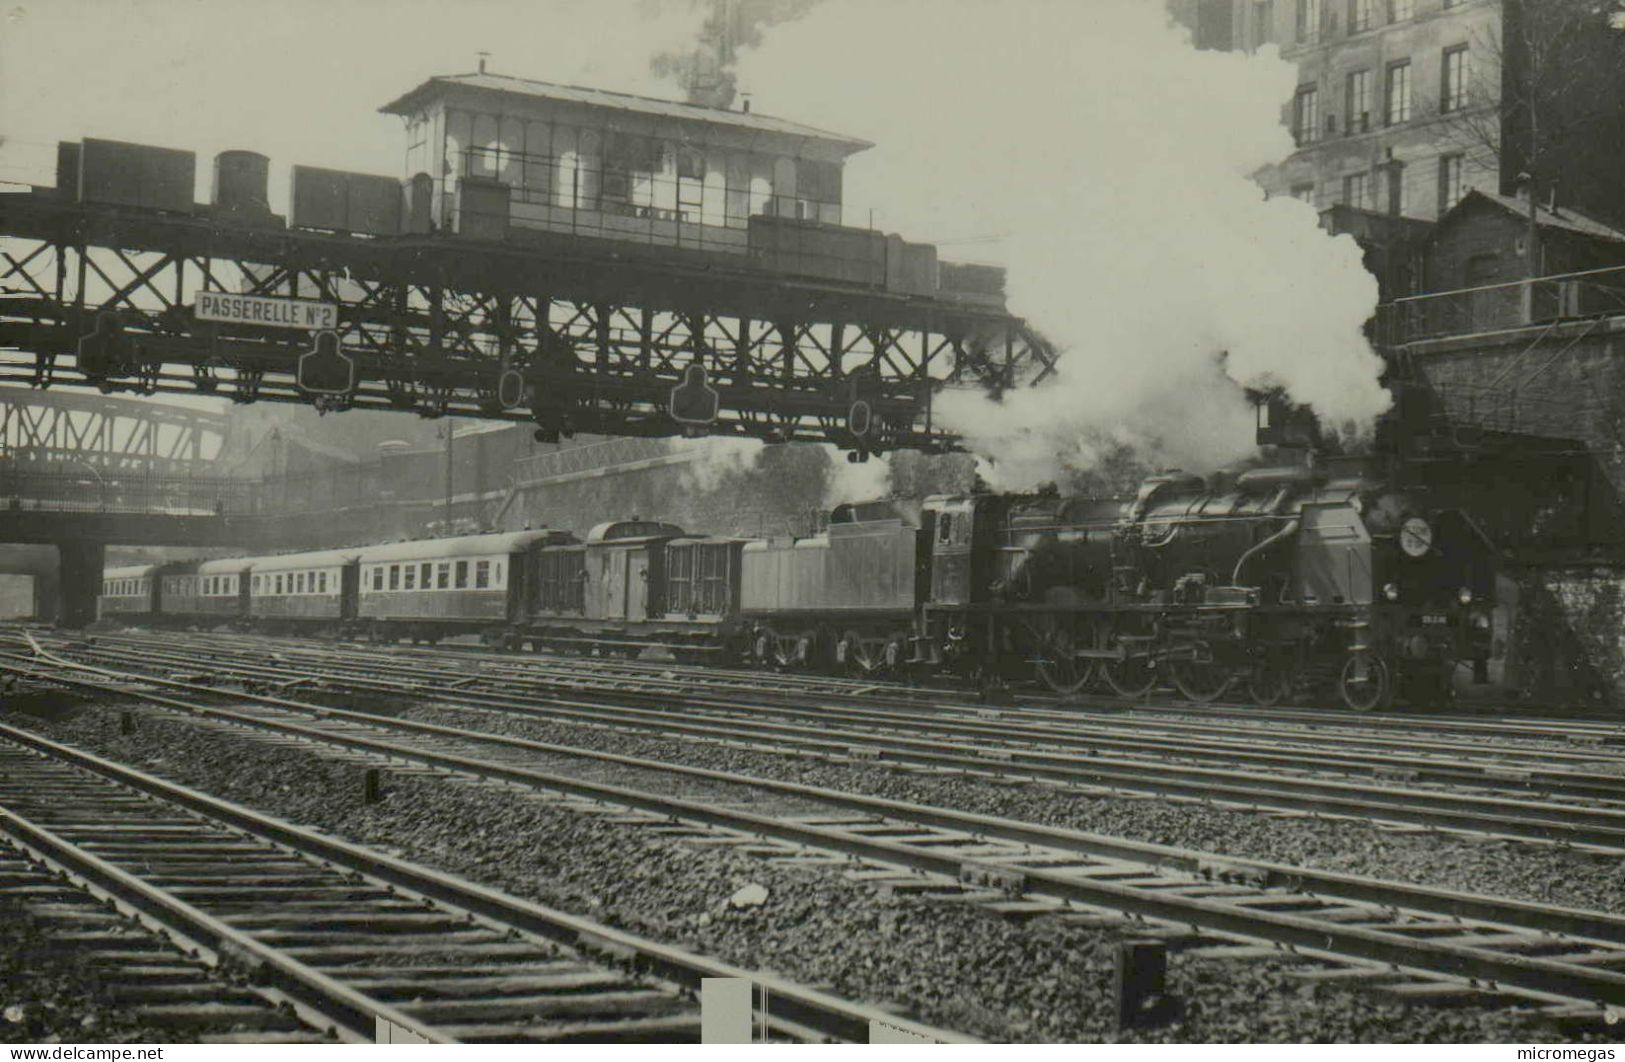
(298, 80)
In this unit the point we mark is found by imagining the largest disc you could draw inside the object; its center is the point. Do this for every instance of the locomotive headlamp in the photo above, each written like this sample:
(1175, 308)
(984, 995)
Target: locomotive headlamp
(1391, 592)
(1465, 595)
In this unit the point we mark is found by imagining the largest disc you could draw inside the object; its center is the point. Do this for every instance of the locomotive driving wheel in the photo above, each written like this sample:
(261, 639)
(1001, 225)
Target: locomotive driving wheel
(1134, 675)
(1203, 681)
(1057, 663)
(1271, 681)
(1367, 688)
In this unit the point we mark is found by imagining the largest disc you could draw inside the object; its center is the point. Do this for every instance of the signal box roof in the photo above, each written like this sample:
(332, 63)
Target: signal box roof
(499, 85)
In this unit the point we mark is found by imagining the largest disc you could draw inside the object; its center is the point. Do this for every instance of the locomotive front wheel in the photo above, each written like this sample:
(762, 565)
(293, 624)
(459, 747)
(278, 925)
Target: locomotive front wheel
(1369, 692)
(1058, 664)
(1203, 681)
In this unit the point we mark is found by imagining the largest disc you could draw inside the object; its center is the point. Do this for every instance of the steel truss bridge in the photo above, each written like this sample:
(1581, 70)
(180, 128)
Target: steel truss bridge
(76, 434)
(576, 335)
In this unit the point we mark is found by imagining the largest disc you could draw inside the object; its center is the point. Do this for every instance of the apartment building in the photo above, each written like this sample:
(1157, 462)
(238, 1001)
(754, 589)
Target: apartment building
(1396, 109)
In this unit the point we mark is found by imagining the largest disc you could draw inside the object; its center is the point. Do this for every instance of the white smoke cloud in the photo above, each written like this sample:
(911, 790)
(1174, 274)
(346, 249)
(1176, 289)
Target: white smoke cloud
(1114, 162)
(716, 458)
(850, 482)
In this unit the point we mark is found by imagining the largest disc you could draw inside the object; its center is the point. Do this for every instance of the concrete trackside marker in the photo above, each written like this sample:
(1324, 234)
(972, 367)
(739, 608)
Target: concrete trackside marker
(387, 1032)
(725, 1011)
(881, 1032)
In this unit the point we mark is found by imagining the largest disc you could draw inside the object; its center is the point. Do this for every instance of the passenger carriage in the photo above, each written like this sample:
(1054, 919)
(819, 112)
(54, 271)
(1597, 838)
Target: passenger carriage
(129, 593)
(222, 591)
(434, 588)
(303, 590)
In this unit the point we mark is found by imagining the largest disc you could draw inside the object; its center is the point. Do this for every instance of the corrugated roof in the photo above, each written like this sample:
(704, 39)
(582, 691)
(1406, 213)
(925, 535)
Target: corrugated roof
(1545, 217)
(622, 101)
(448, 548)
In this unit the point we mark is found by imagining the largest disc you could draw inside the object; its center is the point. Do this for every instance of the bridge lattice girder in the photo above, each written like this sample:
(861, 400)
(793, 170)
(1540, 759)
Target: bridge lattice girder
(599, 332)
(124, 436)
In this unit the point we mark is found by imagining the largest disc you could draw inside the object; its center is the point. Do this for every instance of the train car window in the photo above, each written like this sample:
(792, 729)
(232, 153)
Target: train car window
(443, 575)
(378, 577)
(945, 527)
(394, 576)
(321, 582)
(426, 575)
(496, 574)
(462, 575)
(482, 574)
(278, 589)
(411, 582)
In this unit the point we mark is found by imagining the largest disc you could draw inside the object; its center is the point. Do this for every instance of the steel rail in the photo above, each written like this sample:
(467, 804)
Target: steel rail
(880, 692)
(1087, 737)
(354, 1012)
(1032, 720)
(1520, 819)
(1542, 976)
(790, 1003)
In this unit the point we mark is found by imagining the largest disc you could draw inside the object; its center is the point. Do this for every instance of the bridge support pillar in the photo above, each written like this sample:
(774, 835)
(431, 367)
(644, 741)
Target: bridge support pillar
(79, 583)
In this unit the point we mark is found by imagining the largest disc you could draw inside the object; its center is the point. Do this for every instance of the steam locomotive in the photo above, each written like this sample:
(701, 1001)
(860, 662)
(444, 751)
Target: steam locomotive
(1267, 581)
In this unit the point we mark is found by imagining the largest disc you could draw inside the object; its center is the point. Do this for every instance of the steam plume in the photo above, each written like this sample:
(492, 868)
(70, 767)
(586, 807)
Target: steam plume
(1114, 160)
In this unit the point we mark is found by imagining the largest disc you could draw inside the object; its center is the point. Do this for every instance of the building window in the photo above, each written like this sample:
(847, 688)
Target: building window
(1308, 21)
(1357, 190)
(1398, 93)
(1358, 98)
(1451, 188)
(1454, 75)
(1360, 15)
(1400, 10)
(1397, 198)
(1263, 22)
(1306, 115)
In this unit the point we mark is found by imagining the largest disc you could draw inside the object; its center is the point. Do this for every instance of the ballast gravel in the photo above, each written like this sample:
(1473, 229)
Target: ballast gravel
(1544, 873)
(956, 965)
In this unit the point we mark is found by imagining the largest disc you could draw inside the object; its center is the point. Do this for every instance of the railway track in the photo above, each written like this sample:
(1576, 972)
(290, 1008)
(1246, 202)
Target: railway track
(1574, 809)
(1565, 739)
(1410, 941)
(358, 944)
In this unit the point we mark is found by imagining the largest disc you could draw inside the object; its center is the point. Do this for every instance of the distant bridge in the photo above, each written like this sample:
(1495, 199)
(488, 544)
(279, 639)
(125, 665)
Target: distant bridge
(42, 429)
